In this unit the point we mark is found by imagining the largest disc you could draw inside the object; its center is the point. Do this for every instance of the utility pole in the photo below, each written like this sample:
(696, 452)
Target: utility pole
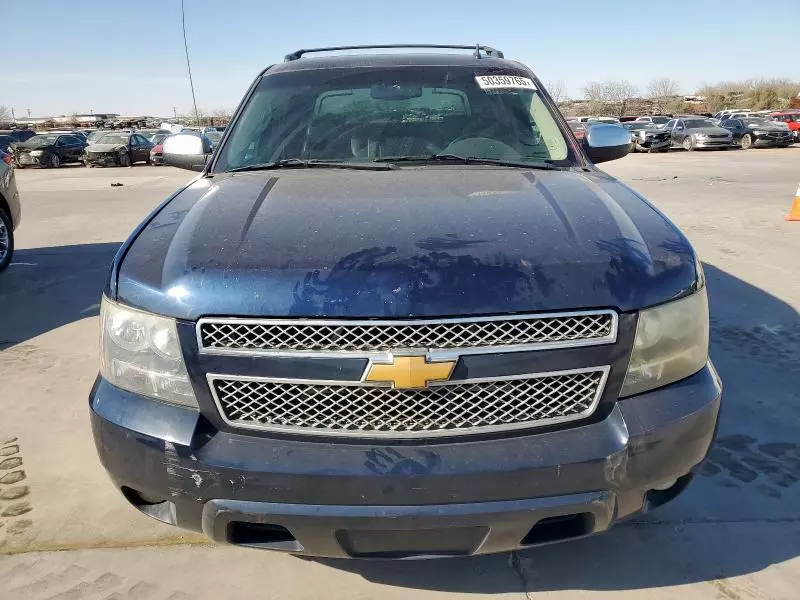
(29, 113)
(175, 111)
(13, 116)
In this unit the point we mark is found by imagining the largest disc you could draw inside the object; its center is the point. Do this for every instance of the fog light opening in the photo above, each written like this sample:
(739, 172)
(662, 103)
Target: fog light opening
(156, 508)
(664, 493)
(562, 527)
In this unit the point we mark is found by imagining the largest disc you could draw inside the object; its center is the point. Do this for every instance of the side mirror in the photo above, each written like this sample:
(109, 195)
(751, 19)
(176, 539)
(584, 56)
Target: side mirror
(185, 151)
(606, 142)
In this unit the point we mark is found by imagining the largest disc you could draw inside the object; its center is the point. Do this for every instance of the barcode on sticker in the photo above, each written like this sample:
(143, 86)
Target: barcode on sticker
(497, 82)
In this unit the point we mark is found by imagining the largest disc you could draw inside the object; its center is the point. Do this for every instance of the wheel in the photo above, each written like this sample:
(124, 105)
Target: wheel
(747, 141)
(55, 161)
(125, 160)
(6, 240)
(148, 161)
(688, 143)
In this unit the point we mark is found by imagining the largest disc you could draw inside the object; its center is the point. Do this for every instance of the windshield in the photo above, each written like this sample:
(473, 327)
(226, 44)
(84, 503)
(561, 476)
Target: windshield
(699, 123)
(751, 122)
(42, 140)
(639, 125)
(159, 137)
(367, 114)
(660, 120)
(113, 138)
(96, 135)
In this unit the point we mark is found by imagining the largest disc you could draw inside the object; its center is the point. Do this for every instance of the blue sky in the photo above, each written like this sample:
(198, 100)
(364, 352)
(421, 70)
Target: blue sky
(128, 57)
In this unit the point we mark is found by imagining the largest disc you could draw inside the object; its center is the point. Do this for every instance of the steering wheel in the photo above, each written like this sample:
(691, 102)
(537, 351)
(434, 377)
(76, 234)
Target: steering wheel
(481, 147)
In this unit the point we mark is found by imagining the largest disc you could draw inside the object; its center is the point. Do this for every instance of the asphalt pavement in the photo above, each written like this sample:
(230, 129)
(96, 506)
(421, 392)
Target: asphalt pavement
(66, 533)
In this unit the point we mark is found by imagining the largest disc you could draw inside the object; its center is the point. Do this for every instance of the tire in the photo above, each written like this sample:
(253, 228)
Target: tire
(746, 142)
(6, 240)
(688, 143)
(125, 160)
(54, 162)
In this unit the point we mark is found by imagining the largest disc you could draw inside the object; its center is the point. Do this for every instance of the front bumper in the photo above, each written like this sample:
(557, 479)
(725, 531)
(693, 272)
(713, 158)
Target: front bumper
(765, 140)
(713, 142)
(473, 496)
(101, 160)
(653, 144)
(26, 160)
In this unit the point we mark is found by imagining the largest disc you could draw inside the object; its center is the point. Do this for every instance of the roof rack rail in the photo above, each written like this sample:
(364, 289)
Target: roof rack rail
(478, 48)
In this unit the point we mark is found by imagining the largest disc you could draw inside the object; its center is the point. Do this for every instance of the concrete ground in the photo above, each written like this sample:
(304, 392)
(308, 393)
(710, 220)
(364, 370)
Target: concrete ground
(66, 533)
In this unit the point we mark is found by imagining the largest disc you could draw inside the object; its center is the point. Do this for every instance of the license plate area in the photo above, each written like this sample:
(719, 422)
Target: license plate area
(416, 543)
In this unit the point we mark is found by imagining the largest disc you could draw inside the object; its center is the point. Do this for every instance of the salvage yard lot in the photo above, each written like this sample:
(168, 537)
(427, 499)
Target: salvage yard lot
(735, 534)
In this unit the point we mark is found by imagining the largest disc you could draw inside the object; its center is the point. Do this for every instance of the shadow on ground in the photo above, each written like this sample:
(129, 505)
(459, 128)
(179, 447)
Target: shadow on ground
(45, 288)
(738, 517)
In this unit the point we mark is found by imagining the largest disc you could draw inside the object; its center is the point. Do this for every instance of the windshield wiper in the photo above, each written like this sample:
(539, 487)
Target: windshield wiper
(299, 163)
(471, 160)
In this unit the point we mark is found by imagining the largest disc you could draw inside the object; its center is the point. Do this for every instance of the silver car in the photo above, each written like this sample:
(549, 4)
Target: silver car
(698, 132)
(10, 212)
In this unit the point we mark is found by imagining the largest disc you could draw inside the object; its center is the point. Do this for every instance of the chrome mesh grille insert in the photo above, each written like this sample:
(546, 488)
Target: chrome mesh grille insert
(451, 407)
(370, 336)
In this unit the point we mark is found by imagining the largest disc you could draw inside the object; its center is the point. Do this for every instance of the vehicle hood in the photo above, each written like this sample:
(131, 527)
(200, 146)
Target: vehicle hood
(710, 130)
(105, 147)
(410, 242)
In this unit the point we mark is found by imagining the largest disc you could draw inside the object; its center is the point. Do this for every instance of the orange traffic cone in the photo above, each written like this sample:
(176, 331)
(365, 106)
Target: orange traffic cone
(794, 212)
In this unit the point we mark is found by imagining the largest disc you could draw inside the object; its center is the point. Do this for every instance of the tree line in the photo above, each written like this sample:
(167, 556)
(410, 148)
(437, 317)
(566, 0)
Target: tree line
(619, 97)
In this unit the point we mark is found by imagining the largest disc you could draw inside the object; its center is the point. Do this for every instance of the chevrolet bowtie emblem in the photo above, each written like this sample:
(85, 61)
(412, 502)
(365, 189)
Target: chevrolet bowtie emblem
(409, 372)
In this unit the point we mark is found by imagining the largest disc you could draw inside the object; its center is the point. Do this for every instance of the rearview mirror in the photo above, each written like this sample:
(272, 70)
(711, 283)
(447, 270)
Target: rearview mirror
(186, 151)
(606, 142)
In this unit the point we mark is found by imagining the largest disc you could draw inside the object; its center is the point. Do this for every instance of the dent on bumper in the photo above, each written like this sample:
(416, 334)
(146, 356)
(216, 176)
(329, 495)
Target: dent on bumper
(488, 493)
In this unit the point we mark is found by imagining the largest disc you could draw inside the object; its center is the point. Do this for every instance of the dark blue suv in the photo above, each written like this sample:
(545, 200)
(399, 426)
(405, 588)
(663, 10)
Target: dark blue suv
(401, 314)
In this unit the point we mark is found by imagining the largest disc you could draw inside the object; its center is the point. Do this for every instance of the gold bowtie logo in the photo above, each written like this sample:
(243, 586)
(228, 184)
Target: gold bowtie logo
(410, 372)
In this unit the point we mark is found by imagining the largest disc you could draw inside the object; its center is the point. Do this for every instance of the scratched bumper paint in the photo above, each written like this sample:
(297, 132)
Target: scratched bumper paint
(492, 490)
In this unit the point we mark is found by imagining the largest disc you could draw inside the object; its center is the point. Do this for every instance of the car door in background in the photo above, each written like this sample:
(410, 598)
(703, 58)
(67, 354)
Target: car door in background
(143, 145)
(73, 148)
(735, 127)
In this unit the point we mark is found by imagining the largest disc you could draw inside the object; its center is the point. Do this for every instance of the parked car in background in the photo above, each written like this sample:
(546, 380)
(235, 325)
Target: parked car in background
(96, 135)
(157, 154)
(606, 120)
(648, 137)
(118, 149)
(749, 132)
(729, 111)
(18, 135)
(206, 130)
(49, 150)
(10, 211)
(657, 120)
(578, 129)
(691, 133)
(159, 136)
(790, 119)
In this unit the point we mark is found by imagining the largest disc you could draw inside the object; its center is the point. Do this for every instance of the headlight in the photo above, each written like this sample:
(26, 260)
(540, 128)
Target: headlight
(671, 343)
(36, 152)
(759, 132)
(700, 135)
(140, 352)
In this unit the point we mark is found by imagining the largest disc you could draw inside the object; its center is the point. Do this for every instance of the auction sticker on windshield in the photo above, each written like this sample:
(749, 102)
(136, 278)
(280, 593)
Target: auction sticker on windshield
(504, 82)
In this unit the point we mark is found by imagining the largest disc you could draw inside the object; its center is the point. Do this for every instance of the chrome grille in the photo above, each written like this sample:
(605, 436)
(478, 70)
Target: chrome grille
(281, 336)
(452, 407)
